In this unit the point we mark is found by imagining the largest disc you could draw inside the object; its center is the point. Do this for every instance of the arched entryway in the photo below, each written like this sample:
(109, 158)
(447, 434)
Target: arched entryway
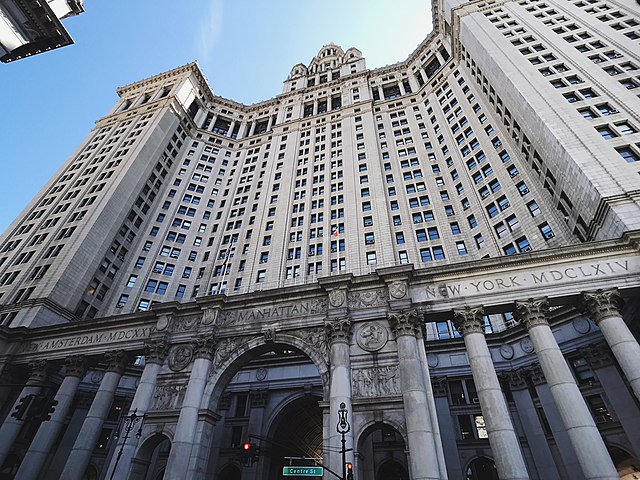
(151, 458)
(382, 453)
(296, 432)
(627, 466)
(482, 468)
(229, 472)
(392, 470)
(268, 394)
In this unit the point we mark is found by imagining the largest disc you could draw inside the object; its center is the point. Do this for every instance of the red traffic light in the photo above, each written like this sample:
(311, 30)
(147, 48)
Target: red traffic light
(246, 446)
(349, 466)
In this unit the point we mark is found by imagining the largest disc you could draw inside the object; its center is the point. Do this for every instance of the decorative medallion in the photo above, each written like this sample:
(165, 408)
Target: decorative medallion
(337, 298)
(372, 336)
(180, 356)
(261, 374)
(527, 345)
(506, 351)
(398, 289)
(163, 322)
(581, 325)
(96, 377)
(432, 360)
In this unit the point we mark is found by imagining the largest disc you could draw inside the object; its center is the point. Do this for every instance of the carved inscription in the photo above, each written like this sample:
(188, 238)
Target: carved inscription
(551, 276)
(127, 334)
(312, 307)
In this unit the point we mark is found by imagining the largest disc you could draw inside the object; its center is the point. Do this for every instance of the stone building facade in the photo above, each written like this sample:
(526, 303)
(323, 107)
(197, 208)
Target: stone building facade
(446, 247)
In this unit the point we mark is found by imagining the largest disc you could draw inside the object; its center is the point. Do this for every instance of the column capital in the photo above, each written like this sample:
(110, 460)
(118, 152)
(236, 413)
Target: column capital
(439, 386)
(532, 312)
(534, 372)
(116, 361)
(38, 372)
(205, 346)
(76, 366)
(597, 355)
(404, 322)
(515, 379)
(469, 320)
(338, 330)
(602, 304)
(155, 351)
(259, 398)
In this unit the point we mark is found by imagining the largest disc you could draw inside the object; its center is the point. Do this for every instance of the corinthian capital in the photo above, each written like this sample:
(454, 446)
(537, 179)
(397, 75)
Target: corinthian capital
(469, 320)
(76, 366)
(338, 330)
(38, 372)
(404, 323)
(155, 351)
(532, 312)
(602, 304)
(116, 361)
(205, 346)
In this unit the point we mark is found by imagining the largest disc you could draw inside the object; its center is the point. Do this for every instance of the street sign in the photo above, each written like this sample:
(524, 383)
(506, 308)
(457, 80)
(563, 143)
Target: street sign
(302, 471)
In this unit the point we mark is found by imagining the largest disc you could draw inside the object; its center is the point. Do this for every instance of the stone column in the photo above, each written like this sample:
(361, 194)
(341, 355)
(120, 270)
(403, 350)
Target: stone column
(80, 454)
(423, 453)
(11, 426)
(338, 336)
(49, 431)
(155, 351)
(403, 92)
(447, 428)
(258, 402)
(252, 128)
(232, 125)
(622, 401)
(603, 307)
(538, 445)
(504, 442)
(431, 402)
(184, 436)
(589, 447)
(213, 122)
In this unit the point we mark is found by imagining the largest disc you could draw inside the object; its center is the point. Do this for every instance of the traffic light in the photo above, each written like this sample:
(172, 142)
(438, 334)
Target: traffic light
(246, 453)
(250, 453)
(349, 471)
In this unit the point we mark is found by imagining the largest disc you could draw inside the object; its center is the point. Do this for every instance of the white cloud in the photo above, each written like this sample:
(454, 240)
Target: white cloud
(210, 29)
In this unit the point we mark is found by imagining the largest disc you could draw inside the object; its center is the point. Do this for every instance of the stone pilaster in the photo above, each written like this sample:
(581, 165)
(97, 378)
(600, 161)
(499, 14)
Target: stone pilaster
(504, 442)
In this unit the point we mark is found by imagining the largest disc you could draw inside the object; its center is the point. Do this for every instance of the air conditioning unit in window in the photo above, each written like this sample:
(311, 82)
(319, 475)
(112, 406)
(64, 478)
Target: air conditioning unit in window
(524, 191)
(475, 400)
(527, 248)
(120, 305)
(550, 235)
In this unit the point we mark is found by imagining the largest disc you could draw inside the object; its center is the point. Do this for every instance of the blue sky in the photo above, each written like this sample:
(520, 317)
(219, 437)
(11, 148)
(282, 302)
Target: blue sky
(246, 48)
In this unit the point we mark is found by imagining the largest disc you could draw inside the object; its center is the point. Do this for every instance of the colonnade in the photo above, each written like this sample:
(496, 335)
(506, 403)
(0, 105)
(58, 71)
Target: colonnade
(425, 452)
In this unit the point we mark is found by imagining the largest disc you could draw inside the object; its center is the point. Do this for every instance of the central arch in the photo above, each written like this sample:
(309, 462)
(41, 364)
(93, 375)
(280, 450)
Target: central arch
(241, 355)
(252, 385)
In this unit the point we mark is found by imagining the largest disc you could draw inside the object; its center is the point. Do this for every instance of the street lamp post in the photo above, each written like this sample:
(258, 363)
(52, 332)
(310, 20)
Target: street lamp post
(343, 428)
(129, 422)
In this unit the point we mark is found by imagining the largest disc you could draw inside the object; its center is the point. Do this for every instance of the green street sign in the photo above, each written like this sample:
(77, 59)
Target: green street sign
(302, 471)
